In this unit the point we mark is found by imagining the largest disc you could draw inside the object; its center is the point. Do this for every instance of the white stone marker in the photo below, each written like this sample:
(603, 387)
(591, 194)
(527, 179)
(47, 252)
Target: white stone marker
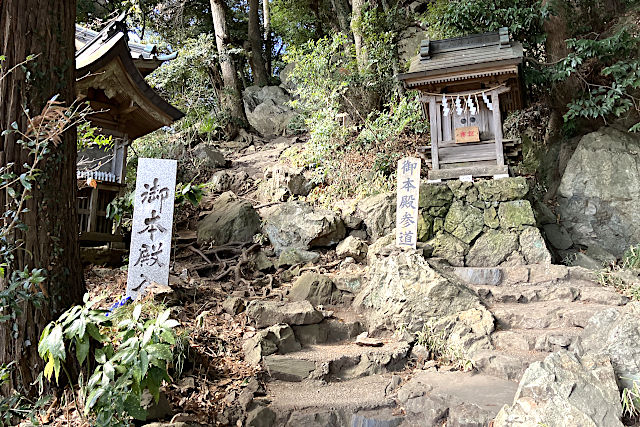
(407, 202)
(150, 249)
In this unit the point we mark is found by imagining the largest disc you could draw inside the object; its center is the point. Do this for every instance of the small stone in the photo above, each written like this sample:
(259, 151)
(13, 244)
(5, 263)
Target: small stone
(533, 247)
(365, 341)
(261, 416)
(558, 236)
(233, 305)
(262, 261)
(267, 313)
(293, 256)
(315, 288)
(352, 247)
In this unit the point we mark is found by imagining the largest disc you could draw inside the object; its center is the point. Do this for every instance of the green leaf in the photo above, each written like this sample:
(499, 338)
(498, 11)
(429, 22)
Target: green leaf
(168, 336)
(55, 343)
(92, 399)
(133, 408)
(160, 351)
(109, 370)
(94, 332)
(136, 312)
(163, 317)
(144, 363)
(82, 349)
(100, 356)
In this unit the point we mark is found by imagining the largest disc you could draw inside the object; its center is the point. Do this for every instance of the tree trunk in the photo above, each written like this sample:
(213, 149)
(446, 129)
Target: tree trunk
(268, 46)
(50, 241)
(260, 76)
(232, 99)
(341, 8)
(356, 18)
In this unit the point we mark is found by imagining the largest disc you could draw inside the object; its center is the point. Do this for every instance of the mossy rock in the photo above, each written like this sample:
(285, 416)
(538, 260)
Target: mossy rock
(491, 248)
(516, 214)
(434, 195)
(502, 190)
(491, 217)
(464, 221)
(425, 227)
(450, 248)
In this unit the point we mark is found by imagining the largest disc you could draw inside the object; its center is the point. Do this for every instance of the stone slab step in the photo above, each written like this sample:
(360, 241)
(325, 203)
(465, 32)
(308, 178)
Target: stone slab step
(563, 291)
(331, 330)
(454, 398)
(421, 399)
(547, 340)
(544, 314)
(337, 361)
(315, 403)
(523, 274)
(508, 365)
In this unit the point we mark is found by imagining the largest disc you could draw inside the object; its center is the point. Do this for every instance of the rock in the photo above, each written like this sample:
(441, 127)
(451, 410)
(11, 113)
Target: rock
(491, 217)
(404, 290)
(491, 248)
(233, 305)
(285, 76)
(533, 246)
(615, 332)
(464, 221)
(450, 248)
(277, 338)
(378, 214)
(502, 190)
(479, 276)
(364, 340)
(409, 43)
(261, 416)
(301, 226)
(425, 227)
(315, 288)
(583, 260)
(267, 109)
(289, 369)
(210, 156)
(155, 410)
(293, 256)
(280, 181)
(547, 273)
(311, 334)
(352, 247)
(598, 193)
(434, 196)
(565, 390)
(231, 220)
(516, 214)
(358, 234)
(267, 313)
(558, 236)
(383, 243)
(347, 281)
(261, 261)
(598, 253)
(514, 260)
(226, 180)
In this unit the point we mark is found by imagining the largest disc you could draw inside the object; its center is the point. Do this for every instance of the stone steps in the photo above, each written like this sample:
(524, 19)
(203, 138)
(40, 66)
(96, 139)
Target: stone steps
(563, 291)
(506, 364)
(544, 314)
(383, 400)
(332, 362)
(546, 340)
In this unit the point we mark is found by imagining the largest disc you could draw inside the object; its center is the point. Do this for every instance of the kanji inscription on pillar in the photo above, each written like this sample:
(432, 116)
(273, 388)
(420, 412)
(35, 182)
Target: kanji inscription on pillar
(407, 202)
(150, 249)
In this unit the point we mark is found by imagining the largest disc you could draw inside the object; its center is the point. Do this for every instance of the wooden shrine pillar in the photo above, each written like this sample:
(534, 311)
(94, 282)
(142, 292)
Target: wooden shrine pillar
(434, 116)
(497, 127)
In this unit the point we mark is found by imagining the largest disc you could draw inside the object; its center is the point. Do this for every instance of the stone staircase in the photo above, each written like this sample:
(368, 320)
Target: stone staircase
(332, 381)
(538, 309)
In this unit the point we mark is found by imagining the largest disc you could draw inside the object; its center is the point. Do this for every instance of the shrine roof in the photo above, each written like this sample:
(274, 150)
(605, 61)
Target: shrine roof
(469, 53)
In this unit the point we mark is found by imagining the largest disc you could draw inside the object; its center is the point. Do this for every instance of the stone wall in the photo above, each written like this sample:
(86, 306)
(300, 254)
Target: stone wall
(481, 224)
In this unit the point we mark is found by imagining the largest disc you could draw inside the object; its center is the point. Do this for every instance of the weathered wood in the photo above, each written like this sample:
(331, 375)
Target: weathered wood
(446, 127)
(473, 171)
(433, 121)
(497, 127)
(100, 237)
(464, 153)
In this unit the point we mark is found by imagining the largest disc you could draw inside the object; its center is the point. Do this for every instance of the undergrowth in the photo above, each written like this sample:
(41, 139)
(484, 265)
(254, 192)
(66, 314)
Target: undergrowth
(440, 349)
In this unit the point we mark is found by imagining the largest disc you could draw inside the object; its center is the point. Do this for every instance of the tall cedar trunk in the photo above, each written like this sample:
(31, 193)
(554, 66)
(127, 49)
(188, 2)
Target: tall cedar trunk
(232, 98)
(44, 27)
(266, 14)
(356, 17)
(260, 76)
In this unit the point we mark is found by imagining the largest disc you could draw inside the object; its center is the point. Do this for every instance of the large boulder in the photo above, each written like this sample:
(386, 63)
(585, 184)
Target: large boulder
(268, 313)
(464, 221)
(315, 288)
(492, 248)
(274, 339)
(352, 247)
(267, 109)
(450, 248)
(402, 290)
(230, 220)
(565, 390)
(615, 332)
(299, 225)
(210, 156)
(378, 214)
(599, 191)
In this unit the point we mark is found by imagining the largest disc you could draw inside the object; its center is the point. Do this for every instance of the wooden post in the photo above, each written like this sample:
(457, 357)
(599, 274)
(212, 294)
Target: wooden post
(433, 123)
(497, 127)
(93, 210)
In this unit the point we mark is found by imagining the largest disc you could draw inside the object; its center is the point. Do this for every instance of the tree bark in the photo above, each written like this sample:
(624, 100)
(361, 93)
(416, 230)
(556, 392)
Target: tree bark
(232, 98)
(356, 18)
(268, 45)
(341, 8)
(50, 241)
(260, 76)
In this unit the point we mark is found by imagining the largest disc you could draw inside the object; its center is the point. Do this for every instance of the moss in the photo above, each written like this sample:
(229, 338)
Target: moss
(516, 214)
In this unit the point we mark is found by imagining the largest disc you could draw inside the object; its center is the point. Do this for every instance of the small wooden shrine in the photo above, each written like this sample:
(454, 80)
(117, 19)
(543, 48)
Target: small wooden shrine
(110, 74)
(468, 85)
